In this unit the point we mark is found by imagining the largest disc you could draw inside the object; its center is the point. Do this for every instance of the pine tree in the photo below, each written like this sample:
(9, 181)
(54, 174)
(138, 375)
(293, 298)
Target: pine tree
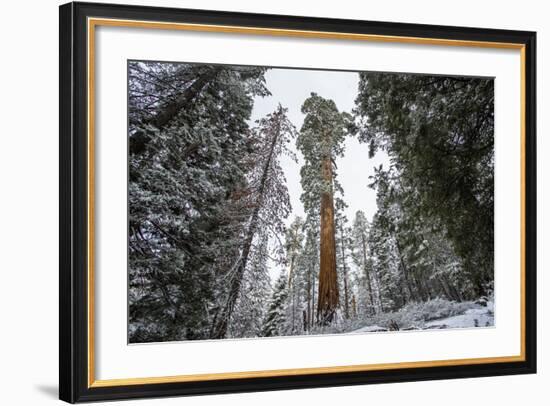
(386, 265)
(255, 290)
(275, 318)
(294, 239)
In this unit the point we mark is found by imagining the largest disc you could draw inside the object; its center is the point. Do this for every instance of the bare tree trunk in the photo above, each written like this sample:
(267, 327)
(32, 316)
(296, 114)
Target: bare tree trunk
(309, 288)
(455, 290)
(312, 318)
(328, 281)
(291, 269)
(345, 274)
(367, 273)
(346, 294)
(445, 287)
(406, 275)
(451, 291)
(291, 291)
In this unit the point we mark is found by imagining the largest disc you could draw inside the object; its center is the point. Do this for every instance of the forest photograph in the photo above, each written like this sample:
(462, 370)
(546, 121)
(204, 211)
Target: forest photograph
(276, 202)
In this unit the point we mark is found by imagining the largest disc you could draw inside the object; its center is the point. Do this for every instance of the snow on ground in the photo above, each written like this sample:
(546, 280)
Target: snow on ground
(478, 316)
(370, 329)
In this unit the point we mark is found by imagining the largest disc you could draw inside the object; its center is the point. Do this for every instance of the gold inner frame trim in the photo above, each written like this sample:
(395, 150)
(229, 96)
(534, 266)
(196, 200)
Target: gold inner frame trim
(94, 22)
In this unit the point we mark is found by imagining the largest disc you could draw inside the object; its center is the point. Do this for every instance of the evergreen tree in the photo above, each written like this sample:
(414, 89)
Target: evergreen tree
(425, 261)
(293, 246)
(188, 146)
(368, 285)
(387, 265)
(321, 141)
(275, 318)
(255, 290)
(343, 243)
(439, 132)
(308, 272)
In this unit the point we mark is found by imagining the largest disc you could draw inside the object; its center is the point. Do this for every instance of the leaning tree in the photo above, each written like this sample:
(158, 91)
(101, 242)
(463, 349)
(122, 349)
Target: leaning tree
(267, 196)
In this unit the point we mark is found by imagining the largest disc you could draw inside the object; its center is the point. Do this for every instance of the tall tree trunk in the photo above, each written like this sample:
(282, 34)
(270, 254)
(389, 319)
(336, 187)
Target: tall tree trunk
(345, 274)
(450, 290)
(366, 272)
(446, 289)
(346, 294)
(453, 288)
(309, 289)
(312, 318)
(328, 280)
(406, 275)
(291, 270)
(291, 291)
(219, 329)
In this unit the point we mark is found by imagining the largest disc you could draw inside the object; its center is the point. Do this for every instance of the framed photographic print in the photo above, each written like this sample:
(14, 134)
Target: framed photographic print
(256, 202)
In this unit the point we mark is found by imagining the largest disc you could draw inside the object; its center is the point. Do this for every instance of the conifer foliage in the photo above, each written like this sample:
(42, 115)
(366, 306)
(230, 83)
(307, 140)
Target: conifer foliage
(439, 133)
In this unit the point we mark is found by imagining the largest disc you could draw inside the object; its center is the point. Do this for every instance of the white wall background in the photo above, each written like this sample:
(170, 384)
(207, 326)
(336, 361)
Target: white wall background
(29, 203)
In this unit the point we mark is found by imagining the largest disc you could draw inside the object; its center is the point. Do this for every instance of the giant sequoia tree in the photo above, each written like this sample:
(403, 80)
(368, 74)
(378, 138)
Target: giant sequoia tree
(321, 141)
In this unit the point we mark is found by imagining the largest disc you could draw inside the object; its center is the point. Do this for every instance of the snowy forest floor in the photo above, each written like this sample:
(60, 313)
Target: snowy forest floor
(434, 314)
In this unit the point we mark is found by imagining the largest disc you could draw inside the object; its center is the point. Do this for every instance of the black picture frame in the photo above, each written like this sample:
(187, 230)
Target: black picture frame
(74, 385)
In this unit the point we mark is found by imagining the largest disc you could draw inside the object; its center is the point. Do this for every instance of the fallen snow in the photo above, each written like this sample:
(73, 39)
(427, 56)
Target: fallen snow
(482, 315)
(370, 329)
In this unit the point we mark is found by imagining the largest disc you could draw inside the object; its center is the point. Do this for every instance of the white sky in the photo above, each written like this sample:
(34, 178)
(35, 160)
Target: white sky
(291, 87)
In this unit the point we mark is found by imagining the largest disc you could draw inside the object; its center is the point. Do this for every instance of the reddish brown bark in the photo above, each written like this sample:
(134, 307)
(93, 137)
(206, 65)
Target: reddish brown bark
(328, 281)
